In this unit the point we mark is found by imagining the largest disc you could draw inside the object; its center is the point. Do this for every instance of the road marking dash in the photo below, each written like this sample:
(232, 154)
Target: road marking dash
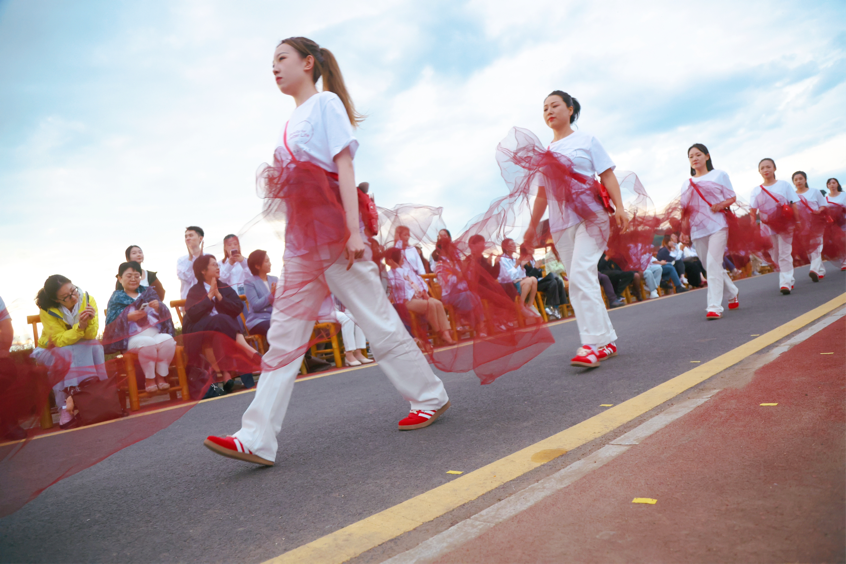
(606, 405)
(646, 500)
(454, 472)
(768, 404)
(695, 361)
(827, 353)
(758, 335)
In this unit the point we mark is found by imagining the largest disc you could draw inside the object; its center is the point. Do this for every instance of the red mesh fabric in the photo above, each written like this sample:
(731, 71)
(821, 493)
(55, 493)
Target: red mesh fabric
(495, 336)
(834, 235)
(776, 213)
(525, 164)
(744, 235)
(809, 236)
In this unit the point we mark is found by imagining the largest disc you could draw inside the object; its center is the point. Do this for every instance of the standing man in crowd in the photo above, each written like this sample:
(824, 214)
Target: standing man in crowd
(185, 265)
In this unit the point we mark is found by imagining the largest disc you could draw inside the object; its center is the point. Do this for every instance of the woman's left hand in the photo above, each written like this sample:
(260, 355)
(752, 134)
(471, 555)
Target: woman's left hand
(622, 218)
(155, 304)
(354, 249)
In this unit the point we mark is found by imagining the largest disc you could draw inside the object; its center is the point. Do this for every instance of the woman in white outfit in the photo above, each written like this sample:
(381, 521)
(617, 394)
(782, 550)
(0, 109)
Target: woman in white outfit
(578, 221)
(313, 181)
(776, 201)
(812, 211)
(836, 200)
(354, 339)
(705, 199)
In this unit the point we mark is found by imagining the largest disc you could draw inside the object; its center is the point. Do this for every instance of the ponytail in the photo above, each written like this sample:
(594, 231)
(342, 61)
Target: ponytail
(46, 297)
(326, 66)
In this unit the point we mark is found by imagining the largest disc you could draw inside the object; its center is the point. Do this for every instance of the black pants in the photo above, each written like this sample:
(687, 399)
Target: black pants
(619, 279)
(553, 287)
(694, 271)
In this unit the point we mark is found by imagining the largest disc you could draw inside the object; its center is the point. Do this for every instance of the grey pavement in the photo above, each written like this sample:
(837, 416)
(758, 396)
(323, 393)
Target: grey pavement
(168, 499)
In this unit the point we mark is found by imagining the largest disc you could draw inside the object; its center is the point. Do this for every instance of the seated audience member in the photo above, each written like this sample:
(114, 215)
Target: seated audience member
(407, 288)
(620, 278)
(211, 306)
(413, 258)
(670, 272)
(137, 317)
(695, 272)
(148, 277)
(512, 273)
(353, 336)
(477, 263)
(455, 291)
(549, 284)
(613, 299)
(69, 322)
(9, 427)
(185, 265)
(670, 254)
(260, 289)
(652, 275)
(728, 264)
(234, 270)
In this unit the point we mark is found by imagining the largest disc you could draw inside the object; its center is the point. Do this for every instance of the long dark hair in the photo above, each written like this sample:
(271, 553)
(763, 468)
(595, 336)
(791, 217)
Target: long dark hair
(708, 164)
(839, 187)
(805, 176)
(46, 297)
(326, 65)
(570, 101)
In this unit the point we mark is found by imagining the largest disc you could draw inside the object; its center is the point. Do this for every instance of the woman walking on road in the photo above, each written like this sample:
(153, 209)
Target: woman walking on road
(312, 182)
(705, 202)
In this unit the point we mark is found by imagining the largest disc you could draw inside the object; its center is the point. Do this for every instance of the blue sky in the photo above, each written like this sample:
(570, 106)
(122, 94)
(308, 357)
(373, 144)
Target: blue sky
(123, 122)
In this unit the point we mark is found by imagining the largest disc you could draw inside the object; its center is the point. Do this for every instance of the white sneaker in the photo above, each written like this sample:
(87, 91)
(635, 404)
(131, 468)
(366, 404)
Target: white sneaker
(653, 294)
(684, 281)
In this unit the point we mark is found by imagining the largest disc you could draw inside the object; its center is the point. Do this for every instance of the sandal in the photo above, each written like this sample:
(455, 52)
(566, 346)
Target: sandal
(151, 388)
(164, 386)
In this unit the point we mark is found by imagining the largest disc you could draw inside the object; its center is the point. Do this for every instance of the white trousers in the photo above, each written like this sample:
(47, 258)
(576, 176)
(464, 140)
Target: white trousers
(155, 351)
(817, 264)
(361, 292)
(351, 333)
(782, 252)
(711, 250)
(580, 254)
(652, 276)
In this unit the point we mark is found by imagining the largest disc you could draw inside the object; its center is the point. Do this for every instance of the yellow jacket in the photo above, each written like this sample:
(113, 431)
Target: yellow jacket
(56, 330)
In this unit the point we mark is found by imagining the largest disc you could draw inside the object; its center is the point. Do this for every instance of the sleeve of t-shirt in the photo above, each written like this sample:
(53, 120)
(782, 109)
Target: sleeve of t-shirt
(601, 160)
(4, 313)
(792, 196)
(753, 199)
(728, 190)
(339, 131)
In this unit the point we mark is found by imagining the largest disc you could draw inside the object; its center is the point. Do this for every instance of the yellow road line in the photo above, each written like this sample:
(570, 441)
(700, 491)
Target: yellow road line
(369, 533)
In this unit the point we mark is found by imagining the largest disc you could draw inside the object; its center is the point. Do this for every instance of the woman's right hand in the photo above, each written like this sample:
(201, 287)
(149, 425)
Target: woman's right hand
(273, 291)
(213, 291)
(136, 315)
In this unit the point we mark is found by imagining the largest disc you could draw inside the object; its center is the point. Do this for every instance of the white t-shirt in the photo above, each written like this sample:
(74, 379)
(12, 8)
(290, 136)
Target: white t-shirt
(717, 221)
(784, 193)
(589, 158)
(4, 313)
(318, 130)
(509, 272)
(814, 198)
(234, 275)
(412, 259)
(840, 199)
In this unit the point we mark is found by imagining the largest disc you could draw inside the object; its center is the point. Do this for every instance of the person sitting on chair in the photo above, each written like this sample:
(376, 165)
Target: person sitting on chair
(137, 321)
(211, 306)
(512, 273)
(409, 289)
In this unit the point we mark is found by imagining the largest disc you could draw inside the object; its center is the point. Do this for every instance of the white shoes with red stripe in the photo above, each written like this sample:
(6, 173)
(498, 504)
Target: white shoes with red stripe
(231, 447)
(586, 357)
(421, 418)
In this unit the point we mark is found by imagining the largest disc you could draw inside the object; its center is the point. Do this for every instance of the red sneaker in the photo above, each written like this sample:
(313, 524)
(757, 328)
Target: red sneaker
(734, 303)
(712, 315)
(821, 276)
(585, 357)
(231, 447)
(785, 290)
(421, 418)
(607, 351)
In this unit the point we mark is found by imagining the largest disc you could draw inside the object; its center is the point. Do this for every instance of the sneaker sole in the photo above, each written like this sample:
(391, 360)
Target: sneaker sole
(245, 456)
(712, 318)
(428, 422)
(785, 291)
(814, 276)
(585, 364)
(613, 354)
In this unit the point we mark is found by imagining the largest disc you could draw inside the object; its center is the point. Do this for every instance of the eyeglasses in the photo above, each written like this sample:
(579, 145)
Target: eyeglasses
(70, 295)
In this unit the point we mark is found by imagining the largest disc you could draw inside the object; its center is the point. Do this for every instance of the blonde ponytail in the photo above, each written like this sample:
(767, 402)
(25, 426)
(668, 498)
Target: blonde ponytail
(326, 65)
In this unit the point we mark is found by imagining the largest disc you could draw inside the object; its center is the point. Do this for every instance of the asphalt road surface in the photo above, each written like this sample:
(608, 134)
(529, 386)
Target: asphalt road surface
(341, 459)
